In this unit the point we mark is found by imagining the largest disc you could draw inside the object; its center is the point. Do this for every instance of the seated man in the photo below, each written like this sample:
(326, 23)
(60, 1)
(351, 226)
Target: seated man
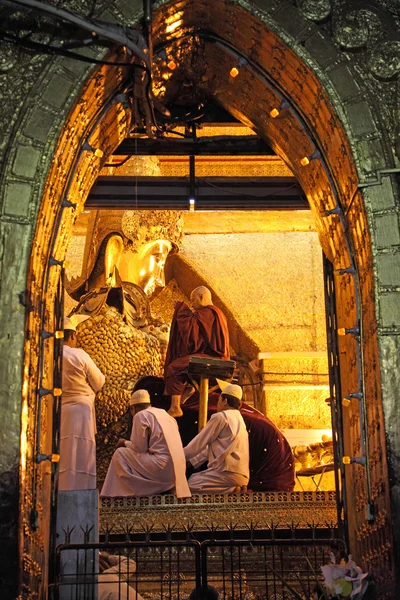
(153, 460)
(201, 332)
(224, 442)
(114, 575)
(272, 464)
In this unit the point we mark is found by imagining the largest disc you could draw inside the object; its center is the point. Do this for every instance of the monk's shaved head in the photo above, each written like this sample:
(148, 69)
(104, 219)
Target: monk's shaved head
(201, 296)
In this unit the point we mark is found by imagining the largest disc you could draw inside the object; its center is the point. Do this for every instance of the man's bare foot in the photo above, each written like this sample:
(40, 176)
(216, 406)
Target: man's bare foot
(188, 392)
(240, 490)
(175, 412)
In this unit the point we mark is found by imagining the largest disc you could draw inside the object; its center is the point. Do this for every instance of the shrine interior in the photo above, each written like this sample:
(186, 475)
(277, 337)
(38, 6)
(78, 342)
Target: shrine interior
(149, 148)
(243, 228)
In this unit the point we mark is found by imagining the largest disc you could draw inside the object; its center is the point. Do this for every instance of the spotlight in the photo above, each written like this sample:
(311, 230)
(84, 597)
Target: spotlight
(59, 334)
(346, 401)
(352, 331)
(357, 395)
(51, 457)
(234, 72)
(53, 262)
(96, 151)
(350, 270)
(68, 204)
(162, 55)
(192, 204)
(360, 460)
(307, 159)
(333, 211)
(53, 392)
(275, 112)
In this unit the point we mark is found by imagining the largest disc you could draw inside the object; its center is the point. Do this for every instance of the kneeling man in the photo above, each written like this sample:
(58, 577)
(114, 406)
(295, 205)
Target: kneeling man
(224, 443)
(153, 460)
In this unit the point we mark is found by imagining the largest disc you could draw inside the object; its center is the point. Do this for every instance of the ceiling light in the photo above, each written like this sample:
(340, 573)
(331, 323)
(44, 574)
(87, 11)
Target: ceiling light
(234, 72)
(307, 159)
(275, 112)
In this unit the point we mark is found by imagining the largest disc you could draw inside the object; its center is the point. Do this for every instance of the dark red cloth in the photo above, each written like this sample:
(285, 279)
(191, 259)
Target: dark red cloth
(203, 332)
(271, 458)
(270, 470)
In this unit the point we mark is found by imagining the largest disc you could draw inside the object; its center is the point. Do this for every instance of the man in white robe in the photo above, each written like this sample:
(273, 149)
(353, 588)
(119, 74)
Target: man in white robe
(153, 460)
(224, 443)
(81, 379)
(114, 578)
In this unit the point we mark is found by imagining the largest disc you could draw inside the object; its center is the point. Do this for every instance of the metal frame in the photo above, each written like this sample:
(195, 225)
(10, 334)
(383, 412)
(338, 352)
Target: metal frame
(265, 564)
(335, 392)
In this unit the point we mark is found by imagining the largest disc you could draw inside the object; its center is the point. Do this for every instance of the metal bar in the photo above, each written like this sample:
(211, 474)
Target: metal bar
(240, 193)
(273, 565)
(335, 391)
(203, 400)
(57, 380)
(245, 145)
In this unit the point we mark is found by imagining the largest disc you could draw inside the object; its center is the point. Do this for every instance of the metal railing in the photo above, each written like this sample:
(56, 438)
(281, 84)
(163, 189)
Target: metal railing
(253, 565)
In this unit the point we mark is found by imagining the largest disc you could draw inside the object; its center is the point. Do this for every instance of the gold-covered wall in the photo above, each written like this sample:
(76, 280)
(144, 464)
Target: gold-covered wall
(265, 272)
(270, 282)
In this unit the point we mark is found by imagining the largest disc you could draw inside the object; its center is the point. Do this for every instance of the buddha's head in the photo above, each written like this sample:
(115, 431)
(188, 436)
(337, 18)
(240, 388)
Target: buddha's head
(136, 243)
(145, 268)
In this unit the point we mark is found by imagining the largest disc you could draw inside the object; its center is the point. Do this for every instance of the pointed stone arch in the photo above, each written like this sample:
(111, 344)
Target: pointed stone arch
(330, 110)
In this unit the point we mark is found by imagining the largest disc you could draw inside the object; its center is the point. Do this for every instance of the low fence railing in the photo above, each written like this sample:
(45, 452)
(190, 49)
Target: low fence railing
(273, 564)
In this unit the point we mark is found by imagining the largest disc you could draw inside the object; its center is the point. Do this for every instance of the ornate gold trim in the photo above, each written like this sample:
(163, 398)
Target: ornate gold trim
(202, 512)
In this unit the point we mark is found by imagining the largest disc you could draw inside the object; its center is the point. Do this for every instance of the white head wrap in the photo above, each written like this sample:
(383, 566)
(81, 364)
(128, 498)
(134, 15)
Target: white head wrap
(139, 397)
(73, 321)
(68, 324)
(230, 388)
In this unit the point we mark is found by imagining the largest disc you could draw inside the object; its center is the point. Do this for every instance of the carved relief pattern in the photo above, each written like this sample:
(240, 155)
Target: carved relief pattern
(315, 10)
(372, 27)
(263, 508)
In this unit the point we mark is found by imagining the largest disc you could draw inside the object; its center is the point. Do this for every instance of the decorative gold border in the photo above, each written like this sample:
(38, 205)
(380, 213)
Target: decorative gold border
(203, 512)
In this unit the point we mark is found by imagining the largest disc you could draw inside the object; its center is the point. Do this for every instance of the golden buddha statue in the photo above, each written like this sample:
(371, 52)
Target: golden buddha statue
(124, 259)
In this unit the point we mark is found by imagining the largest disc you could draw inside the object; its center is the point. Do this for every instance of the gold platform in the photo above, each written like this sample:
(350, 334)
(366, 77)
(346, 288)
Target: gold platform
(203, 512)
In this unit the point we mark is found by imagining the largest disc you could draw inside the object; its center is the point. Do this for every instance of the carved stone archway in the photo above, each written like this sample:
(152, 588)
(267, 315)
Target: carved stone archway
(332, 109)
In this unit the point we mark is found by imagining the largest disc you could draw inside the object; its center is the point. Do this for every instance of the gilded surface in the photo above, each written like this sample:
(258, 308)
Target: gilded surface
(84, 169)
(278, 301)
(295, 390)
(124, 354)
(140, 232)
(375, 55)
(202, 511)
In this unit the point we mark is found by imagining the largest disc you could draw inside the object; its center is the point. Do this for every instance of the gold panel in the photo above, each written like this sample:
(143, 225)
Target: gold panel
(203, 510)
(255, 166)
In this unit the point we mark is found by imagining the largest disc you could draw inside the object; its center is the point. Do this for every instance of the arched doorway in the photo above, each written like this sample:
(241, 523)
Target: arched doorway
(307, 128)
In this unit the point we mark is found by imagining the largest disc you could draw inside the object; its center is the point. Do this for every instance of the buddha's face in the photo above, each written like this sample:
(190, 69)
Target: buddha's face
(145, 268)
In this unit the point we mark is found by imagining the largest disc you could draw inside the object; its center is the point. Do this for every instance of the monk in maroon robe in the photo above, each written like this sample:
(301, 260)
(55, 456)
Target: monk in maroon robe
(201, 332)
